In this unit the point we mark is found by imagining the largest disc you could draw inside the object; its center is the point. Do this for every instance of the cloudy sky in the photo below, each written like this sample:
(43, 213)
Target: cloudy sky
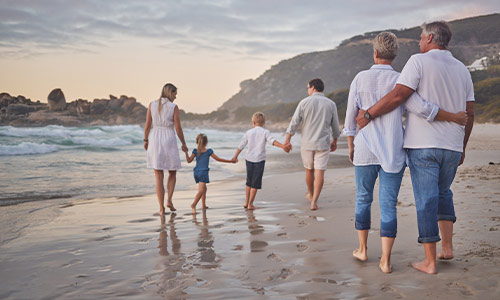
(93, 48)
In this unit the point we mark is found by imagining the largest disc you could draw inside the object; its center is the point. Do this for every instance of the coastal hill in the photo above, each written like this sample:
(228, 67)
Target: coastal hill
(285, 82)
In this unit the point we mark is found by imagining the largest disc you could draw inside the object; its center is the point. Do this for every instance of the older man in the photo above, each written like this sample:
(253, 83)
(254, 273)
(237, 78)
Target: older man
(320, 130)
(436, 149)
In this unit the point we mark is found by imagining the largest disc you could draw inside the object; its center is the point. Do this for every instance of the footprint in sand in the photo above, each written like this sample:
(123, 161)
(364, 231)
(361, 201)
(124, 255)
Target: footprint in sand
(387, 288)
(464, 289)
(302, 247)
(274, 257)
(283, 274)
(303, 223)
(257, 246)
(282, 234)
(238, 247)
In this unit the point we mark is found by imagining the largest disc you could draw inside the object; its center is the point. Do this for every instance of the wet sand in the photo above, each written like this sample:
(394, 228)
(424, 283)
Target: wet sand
(110, 248)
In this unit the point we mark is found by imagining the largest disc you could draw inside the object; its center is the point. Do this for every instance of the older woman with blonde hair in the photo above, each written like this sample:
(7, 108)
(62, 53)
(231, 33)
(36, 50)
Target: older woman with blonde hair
(162, 124)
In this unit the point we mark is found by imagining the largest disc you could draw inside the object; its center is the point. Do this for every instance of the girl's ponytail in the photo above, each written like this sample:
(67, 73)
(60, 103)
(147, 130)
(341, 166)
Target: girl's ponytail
(201, 141)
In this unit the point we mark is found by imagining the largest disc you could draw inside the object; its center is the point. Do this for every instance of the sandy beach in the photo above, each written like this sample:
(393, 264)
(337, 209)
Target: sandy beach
(117, 248)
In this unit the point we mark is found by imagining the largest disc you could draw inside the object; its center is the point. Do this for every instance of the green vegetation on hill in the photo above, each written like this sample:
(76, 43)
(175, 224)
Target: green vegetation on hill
(487, 94)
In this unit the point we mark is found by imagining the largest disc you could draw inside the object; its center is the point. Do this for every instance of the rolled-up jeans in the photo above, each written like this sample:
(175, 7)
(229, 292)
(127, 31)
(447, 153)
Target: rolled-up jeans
(389, 184)
(432, 173)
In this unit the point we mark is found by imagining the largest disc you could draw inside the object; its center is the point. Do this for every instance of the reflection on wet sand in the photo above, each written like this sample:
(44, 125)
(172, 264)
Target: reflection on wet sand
(255, 229)
(172, 281)
(208, 258)
(162, 239)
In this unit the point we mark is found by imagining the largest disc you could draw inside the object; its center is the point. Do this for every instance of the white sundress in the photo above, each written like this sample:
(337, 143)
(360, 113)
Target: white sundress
(163, 153)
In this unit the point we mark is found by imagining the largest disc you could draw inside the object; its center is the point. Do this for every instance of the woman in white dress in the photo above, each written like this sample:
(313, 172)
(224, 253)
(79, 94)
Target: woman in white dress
(161, 143)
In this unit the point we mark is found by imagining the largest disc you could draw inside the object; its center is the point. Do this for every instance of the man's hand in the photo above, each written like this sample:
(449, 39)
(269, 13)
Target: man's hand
(333, 145)
(461, 118)
(361, 120)
(462, 159)
(351, 155)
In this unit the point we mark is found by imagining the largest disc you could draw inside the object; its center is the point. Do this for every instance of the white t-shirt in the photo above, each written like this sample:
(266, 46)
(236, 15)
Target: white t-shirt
(256, 139)
(443, 80)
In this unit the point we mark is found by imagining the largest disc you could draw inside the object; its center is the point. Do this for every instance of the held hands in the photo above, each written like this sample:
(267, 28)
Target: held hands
(234, 160)
(184, 148)
(287, 147)
(361, 120)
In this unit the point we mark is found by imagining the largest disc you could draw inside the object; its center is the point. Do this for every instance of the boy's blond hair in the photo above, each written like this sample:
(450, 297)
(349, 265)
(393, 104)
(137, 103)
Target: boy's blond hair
(259, 118)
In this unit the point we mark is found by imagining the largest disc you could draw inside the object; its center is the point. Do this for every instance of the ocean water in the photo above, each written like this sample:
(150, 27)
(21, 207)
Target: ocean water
(50, 162)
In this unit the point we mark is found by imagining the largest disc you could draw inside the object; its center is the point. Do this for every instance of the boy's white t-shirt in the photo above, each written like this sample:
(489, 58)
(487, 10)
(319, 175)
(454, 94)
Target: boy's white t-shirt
(256, 139)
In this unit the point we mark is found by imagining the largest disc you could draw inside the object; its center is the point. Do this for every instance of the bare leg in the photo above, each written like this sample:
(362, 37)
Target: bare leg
(446, 228)
(361, 252)
(202, 188)
(385, 260)
(253, 192)
(319, 179)
(310, 184)
(204, 198)
(160, 190)
(172, 176)
(247, 196)
(429, 264)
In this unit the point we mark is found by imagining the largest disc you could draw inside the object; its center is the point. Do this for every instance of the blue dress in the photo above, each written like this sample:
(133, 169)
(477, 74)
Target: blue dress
(201, 169)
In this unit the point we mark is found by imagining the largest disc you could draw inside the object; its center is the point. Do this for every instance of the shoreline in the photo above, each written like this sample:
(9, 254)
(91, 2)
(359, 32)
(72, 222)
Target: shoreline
(116, 247)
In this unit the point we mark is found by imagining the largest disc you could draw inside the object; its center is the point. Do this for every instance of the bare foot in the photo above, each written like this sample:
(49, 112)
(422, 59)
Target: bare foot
(425, 267)
(251, 207)
(308, 197)
(245, 205)
(204, 207)
(193, 209)
(385, 267)
(171, 206)
(161, 212)
(361, 255)
(445, 255)
(314, 206)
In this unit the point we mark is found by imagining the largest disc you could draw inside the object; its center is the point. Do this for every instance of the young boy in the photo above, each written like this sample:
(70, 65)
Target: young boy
(256, 139)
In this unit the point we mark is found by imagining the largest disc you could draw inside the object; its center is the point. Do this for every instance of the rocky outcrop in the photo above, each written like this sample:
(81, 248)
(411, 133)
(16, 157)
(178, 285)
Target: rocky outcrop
(19, 111)
(56, 100)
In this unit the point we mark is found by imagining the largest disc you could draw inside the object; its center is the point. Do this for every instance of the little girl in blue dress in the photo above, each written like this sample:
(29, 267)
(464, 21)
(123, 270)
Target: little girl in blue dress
(202, 155)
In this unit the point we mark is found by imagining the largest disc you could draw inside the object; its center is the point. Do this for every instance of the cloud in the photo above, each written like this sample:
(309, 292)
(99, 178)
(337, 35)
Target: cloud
(247, 28)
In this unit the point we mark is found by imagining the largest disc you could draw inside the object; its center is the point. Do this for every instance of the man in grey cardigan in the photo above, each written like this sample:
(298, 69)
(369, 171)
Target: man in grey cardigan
(320, 130)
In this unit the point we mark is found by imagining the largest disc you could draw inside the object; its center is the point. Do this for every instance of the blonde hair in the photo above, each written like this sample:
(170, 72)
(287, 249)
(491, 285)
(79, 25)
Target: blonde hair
(386, 44)
(201, 141)
(167, 92)
(259, 118)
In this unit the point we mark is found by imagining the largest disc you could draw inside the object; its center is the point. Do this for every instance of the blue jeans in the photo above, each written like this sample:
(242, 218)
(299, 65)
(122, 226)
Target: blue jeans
(432, 172)
(388, 198)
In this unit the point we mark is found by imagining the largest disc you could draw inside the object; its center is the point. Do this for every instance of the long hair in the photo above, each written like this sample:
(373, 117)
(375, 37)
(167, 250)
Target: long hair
(201, 141)
(167, 92)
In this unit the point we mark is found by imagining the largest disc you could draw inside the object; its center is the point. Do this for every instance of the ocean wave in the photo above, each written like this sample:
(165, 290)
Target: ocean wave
(110, 142)
(50, 131)
(27, 148)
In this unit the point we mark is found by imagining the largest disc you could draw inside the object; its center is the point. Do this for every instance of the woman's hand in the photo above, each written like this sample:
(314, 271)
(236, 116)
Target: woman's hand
(146, 143)
(184, 148)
